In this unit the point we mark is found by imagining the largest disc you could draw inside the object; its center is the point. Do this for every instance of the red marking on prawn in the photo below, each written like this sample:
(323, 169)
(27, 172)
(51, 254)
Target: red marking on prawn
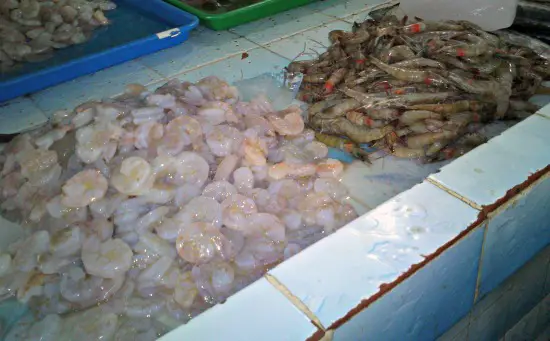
(428, 80)
(244, 55)
(471, 81)
(360, 61)
(476, 117)
(449, 152)
(329, 87)
(415, 28)
(460, 52)
(368, 121)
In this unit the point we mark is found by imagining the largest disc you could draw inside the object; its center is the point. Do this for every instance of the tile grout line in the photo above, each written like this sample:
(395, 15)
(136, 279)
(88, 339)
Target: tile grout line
(295, 301)
(292, 34)
(168, 78)
(539, 114)
(454, 194)
(480, 263)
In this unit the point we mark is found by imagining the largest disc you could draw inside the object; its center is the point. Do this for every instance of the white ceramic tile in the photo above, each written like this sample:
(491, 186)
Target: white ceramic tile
(516, 232)
(19, 114)
(105, 83)
(348, 7)
(357, 17)
(484, 175)
(259, 312)
(204, 46)
(426, 304)
(315, 39)
(340, 271)
(281, 25)
(384, 178)
(257, 62)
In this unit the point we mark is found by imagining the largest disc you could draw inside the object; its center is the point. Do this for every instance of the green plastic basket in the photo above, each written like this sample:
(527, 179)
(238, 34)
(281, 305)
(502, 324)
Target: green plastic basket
(242, 15)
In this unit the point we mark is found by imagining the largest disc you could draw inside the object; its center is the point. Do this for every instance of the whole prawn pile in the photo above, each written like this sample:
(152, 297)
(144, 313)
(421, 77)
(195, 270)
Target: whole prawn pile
(31, 29)
(420, 89)
(158, 205)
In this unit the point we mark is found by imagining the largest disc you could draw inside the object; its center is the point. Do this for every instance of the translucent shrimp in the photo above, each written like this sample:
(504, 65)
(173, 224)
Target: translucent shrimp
(265, 224)
(254, 148)
(84, 188)
(292, 219)
(291, 170)
(39, 167)
(178, 134)
(91, 324)
(330, 168)
(243, 179)
(199, 242)
(148, 134)
(66, 242)
(216, 89)
(109, 259)
(219, 190)
(333, 187)
(201, 209)
(223, 140)
(185, 291)
(85, 290)
(217, 112)
(134, 176)
(291, 122)
(214, 279)
(235, 211)
(92, 140)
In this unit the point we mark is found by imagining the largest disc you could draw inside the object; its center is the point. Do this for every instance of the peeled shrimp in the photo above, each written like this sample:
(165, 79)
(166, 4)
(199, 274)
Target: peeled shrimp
(199, 242)
(223, 140)
(185, 291)
(288, 170)
(108, 259)
(290, 124)
(219, 190)
(133, 176)
(330, 168)
(235, 211)
(254, 148)
(84, 188)
(201, 209)
(214, 280)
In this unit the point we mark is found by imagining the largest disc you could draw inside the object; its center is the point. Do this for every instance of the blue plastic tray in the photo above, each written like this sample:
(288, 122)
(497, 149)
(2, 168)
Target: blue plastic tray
(137, 28)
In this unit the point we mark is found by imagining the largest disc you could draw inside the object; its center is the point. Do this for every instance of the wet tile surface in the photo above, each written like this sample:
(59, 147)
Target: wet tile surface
(516, 232)
(104, 83)
(484, 175)
(307, 44)
(281, 25)
(18, 115)
(204, 46)
(374, 249)
(346, 8)
(252, 64)
(243, 318)
(425, 305)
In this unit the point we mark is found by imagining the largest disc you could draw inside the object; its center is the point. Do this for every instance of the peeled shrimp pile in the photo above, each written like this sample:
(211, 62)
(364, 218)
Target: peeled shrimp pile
(420, 89)
(31, 29)
(159, 205)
